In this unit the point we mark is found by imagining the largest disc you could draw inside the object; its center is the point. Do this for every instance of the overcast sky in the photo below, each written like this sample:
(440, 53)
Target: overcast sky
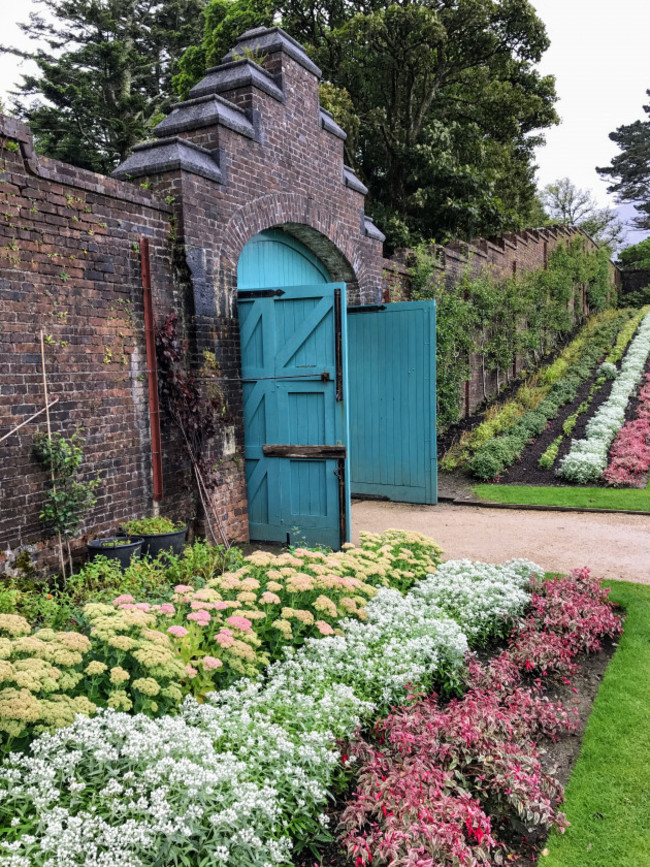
(599, 55)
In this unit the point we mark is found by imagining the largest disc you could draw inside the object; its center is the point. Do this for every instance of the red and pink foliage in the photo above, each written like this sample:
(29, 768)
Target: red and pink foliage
(439, 783)
(630, 451)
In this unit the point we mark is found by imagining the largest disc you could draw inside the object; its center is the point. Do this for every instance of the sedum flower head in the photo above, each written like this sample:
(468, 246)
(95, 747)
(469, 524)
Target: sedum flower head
(95, 667)
(118, 675)
(14, 625)
(146, 685)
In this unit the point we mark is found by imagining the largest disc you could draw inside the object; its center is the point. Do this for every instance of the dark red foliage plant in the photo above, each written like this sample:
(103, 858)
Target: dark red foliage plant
(450, 785)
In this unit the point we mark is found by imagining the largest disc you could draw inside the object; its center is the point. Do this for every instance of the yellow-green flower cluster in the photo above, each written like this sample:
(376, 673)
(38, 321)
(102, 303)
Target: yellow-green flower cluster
(39, 674)
(133, 661)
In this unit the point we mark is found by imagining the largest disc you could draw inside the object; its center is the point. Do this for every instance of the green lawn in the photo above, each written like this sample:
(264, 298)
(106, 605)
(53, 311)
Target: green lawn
(608, 795)
(594, 498)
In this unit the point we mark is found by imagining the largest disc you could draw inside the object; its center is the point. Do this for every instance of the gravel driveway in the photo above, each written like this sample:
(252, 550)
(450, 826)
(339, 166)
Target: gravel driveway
(613, 546)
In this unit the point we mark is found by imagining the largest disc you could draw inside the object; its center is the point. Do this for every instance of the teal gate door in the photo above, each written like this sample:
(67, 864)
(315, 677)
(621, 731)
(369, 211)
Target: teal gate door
(294, 372)
(392, 364)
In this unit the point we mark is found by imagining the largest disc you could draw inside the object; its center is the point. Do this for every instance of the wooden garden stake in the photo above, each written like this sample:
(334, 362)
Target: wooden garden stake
(49, 437)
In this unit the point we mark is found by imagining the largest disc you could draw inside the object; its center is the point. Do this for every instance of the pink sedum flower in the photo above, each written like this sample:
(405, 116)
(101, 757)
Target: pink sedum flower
(124, 599)
(220, 606)
(324, 628)
(167, 608)
(225, 638)
(210, 663)
(241, 623)
(178, 631)
(142, 606)
(183, 588)
(190, 671)
(202, 617)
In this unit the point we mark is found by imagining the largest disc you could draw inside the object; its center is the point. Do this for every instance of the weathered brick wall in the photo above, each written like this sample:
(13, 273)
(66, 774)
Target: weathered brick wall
(249, 151)
(70, 266)
(514, 253)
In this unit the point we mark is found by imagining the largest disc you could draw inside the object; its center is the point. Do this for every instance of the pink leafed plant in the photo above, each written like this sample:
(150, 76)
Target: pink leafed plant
(440, 785)
(630, 451)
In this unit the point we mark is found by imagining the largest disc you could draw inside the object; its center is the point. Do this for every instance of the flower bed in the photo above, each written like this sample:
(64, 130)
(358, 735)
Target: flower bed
(630, 451)
(587, 458)
(236, 778)
(146, 656)
(447, 785)
(501, 420)
(498, 453)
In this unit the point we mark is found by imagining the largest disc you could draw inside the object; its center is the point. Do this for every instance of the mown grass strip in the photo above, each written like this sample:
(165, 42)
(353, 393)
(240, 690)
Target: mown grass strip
(584, 498)
(608, 795)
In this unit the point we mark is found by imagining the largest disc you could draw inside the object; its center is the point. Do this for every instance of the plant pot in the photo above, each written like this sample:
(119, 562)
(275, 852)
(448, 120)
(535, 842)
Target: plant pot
(120, 548)
(157, 543)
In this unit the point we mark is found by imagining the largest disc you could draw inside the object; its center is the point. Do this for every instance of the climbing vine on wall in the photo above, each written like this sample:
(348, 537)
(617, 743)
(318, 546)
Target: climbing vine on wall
(500, 320)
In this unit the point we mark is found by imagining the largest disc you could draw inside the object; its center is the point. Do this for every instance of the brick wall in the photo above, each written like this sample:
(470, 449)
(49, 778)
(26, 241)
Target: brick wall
(514, 253)
(250, 150)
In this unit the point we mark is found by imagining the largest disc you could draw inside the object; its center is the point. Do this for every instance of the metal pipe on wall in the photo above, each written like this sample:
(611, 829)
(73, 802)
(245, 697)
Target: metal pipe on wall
(152, 370)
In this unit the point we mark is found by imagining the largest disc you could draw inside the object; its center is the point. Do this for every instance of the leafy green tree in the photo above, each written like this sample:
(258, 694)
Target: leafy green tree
(442, 98)
(636, 257)
(104, 76)
(566, 203)
(630, 170)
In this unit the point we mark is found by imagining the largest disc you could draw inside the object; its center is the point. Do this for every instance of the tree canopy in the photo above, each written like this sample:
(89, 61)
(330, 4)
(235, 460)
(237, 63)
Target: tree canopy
(104, 75)
(636, 257)
(630, 170)
(566, 203)
(442, 98)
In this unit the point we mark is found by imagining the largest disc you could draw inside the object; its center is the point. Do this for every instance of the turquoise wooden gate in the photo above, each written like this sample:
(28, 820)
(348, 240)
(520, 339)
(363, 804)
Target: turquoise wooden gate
(392, 363)
(294, 372)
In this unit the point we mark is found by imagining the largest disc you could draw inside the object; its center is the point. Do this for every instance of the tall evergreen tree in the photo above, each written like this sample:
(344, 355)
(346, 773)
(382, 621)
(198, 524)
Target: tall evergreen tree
(104, 76)
(630, 170)
(442, 97)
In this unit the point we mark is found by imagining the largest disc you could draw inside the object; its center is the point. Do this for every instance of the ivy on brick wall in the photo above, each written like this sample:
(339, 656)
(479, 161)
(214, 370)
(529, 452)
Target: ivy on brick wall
(523, 318)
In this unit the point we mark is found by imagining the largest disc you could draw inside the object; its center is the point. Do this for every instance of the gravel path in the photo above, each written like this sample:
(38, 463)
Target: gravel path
(613, 546)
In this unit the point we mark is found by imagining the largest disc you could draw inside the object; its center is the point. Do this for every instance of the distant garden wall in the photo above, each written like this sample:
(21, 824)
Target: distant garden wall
(503, 258)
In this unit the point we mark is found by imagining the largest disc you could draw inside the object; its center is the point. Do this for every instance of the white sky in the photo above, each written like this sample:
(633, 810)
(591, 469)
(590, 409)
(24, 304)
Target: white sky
(599, 55)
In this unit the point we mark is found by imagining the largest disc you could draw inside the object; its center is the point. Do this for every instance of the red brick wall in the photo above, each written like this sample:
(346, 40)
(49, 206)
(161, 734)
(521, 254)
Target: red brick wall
(69, 264)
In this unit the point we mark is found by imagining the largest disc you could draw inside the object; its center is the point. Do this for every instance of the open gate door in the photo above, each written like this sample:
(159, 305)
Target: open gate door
(294, 372)
(392, 370)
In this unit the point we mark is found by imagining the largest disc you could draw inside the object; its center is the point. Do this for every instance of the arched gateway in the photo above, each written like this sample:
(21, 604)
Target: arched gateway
(275, 246)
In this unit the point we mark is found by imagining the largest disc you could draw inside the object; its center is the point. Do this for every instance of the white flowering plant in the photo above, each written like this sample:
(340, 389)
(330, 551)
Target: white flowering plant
(238, 778)
(485, 600)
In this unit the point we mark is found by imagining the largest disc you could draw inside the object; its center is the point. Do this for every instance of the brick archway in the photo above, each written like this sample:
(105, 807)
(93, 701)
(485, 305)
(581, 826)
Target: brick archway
(313, 223)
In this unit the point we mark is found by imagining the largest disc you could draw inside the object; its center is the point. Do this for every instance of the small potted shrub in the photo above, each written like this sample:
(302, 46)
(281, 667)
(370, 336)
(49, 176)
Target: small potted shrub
(159, 534)
(120, 548)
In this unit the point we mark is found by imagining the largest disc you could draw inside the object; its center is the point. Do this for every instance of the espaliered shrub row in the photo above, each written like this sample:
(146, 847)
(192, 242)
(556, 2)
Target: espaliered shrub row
(238, 778)
(524, 317)
(630, 451)
(448, 785)
(497, 454)
(145, 656)
(587, 458)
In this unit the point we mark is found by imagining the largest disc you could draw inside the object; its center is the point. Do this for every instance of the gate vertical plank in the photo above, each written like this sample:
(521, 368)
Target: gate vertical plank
(393, 401)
